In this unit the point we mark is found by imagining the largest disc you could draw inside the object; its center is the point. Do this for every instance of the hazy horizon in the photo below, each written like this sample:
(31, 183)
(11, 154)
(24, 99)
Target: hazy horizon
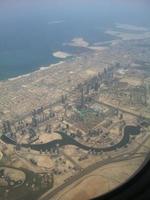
(30, 32)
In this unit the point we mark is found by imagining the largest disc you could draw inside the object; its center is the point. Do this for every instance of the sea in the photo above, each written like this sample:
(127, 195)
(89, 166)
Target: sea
(32, 30)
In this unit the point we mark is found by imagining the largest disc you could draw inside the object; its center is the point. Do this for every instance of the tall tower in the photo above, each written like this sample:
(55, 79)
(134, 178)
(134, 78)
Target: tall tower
(7, 127)
(82, 97)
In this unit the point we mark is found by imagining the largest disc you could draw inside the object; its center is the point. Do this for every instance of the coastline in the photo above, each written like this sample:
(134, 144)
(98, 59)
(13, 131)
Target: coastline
(29, 74)
(80, 42)
(61, 55)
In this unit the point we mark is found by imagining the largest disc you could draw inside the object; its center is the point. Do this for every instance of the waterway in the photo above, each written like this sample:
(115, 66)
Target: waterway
(68, 140)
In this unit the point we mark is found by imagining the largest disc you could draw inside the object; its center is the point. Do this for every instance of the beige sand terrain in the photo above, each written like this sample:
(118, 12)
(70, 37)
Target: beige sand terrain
(44, 137)
(101, 180)
(61, 54)
(79, 42)
(14, 174)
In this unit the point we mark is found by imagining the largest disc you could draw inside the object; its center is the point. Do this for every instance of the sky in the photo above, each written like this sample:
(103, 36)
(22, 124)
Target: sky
(15, 9)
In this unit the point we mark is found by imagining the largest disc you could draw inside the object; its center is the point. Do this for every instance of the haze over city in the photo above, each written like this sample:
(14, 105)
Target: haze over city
(74, 96)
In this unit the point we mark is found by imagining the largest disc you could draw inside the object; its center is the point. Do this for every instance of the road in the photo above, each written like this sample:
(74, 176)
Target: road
(71, 160)
(121, 109)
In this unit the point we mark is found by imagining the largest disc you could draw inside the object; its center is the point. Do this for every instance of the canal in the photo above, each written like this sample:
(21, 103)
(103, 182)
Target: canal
(68, 140)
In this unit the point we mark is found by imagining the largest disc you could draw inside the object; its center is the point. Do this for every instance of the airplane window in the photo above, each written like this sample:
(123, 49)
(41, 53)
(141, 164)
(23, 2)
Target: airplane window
(74, 97)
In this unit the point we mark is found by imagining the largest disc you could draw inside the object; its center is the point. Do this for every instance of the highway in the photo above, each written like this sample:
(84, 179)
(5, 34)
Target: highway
(71, 160)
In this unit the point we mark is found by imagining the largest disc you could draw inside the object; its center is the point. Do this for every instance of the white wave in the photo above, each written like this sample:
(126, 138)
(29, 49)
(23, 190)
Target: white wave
(50, 66)
(18, 77)
(56, 22)
(41, 69)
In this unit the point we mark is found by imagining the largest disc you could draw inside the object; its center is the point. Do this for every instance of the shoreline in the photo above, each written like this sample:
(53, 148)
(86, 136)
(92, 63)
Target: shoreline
(42, 68)
(142, 33)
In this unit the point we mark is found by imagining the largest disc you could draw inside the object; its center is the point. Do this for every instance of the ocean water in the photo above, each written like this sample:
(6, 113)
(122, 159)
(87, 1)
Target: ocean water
(30, 31)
